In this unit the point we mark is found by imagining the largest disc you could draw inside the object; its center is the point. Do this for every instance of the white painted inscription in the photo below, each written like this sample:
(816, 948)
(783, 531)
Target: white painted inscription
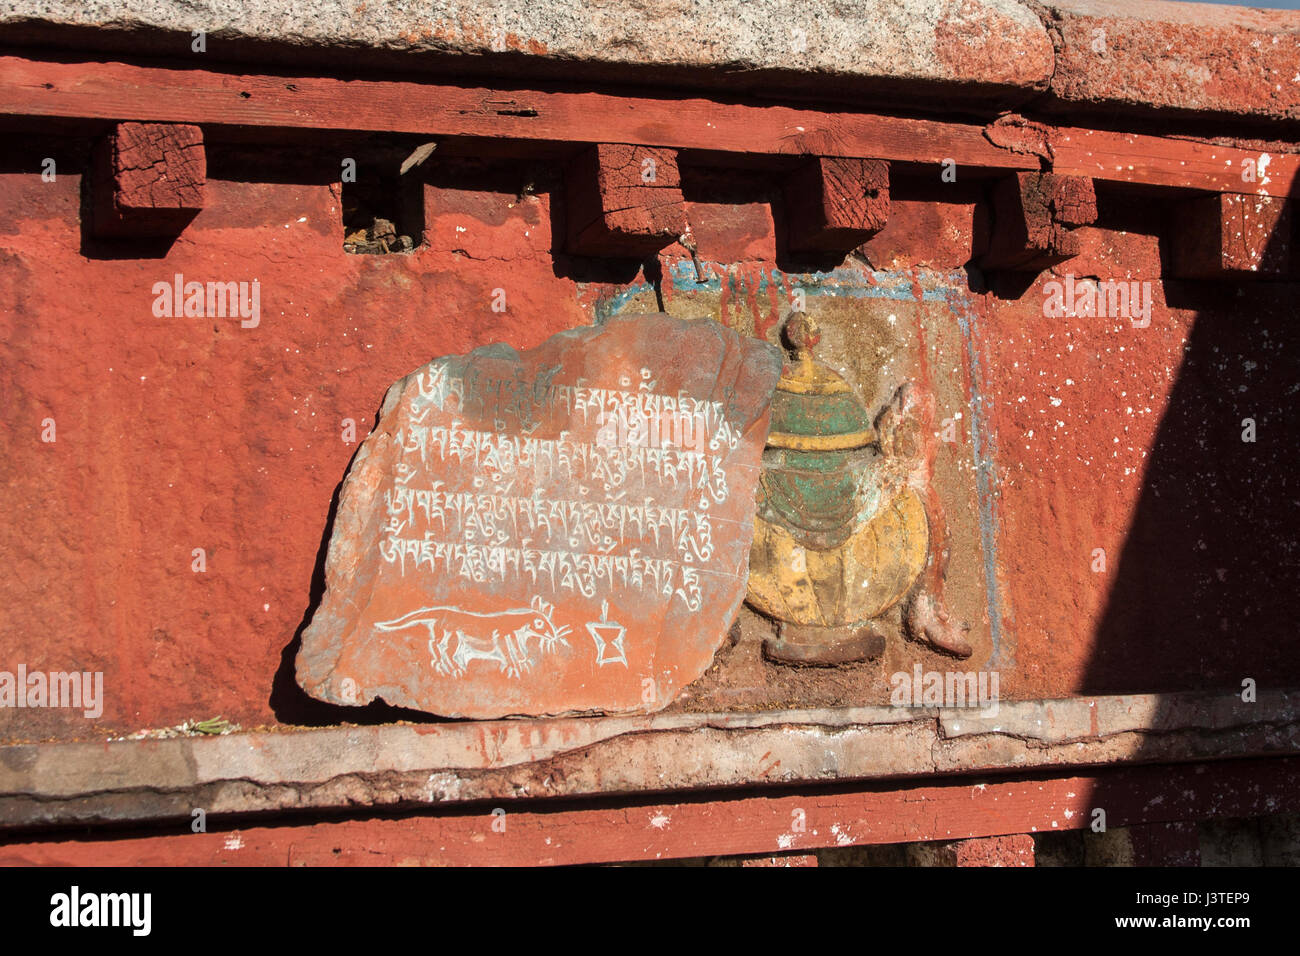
(551, 511)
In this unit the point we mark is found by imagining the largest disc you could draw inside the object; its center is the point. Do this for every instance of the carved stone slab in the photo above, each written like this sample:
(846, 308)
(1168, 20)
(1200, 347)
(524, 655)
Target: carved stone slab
(559, 531)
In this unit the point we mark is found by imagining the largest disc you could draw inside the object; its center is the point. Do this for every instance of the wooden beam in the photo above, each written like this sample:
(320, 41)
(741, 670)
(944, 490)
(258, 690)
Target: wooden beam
(1033, 218)
(710, 824)
(623, 200)
(833, 204)
(1158, 161)
(121, 91)
(147, 180)
(1231, 236)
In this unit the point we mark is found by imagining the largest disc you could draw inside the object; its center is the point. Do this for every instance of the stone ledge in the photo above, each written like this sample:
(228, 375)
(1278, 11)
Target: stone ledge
(145, 780)
(898, 49)
(1187, 57)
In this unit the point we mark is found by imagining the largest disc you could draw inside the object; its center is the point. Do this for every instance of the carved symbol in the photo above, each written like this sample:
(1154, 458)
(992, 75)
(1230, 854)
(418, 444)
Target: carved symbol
(608, 636)
(501, 636)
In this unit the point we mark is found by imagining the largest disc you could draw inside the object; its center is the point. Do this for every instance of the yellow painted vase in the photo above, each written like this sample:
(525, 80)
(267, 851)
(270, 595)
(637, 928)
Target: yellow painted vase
(839, 537)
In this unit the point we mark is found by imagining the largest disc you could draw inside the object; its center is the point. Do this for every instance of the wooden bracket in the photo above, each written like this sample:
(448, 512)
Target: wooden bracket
(1033, 218)
(1231, 235)
(623, 201)
(147, 180)
(834, 204)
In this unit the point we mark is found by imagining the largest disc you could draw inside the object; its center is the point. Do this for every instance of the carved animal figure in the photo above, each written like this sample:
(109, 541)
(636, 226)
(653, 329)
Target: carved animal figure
(500, 636)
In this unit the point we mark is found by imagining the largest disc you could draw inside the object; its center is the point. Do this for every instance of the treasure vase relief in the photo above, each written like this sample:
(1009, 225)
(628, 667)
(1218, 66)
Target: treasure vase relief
(875, 538)
(842, 534)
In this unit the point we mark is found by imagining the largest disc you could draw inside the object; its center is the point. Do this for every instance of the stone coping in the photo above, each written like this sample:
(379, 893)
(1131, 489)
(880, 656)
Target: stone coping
(400, 765)
(1194, 57)
(980, 55)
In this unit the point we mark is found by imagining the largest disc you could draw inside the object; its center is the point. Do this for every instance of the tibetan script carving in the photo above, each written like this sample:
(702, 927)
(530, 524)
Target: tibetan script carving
(563, 530)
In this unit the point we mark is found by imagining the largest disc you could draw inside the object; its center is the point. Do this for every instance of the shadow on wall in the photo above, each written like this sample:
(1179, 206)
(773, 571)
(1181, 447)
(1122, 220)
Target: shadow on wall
(292, 704)
(1205, 589)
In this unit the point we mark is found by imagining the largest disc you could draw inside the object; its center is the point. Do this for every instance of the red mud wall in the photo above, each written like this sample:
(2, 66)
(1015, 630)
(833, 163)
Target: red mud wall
(1144, 544)
(176, 434)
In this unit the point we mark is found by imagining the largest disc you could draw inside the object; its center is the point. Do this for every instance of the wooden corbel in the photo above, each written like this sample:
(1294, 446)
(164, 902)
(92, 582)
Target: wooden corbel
(147, 180)
(834, 204)
(1034, 215)
(623, 201)
(1232, 235)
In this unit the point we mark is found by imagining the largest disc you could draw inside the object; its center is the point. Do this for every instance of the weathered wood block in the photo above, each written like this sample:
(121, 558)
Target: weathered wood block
(834, 204)
(1033, 218)
(623, 200)
(148, 180)
(1230, 234)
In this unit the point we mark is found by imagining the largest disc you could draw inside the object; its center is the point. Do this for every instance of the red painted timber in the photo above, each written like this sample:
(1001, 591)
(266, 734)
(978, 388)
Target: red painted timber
(120, 91)
(1157, 161)
(1232, 235)
(148, 179)
(835, 204)
(623, 200)
(1033, 215)
(725, 826)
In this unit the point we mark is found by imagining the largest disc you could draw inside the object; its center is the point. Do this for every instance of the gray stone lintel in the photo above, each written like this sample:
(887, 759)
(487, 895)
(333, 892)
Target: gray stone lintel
(409, 766)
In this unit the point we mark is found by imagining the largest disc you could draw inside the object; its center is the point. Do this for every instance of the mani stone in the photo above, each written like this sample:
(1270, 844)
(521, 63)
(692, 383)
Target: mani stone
(559, 531)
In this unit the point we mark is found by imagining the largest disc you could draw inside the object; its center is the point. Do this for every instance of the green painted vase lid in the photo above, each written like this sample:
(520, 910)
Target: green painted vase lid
(814, 408)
